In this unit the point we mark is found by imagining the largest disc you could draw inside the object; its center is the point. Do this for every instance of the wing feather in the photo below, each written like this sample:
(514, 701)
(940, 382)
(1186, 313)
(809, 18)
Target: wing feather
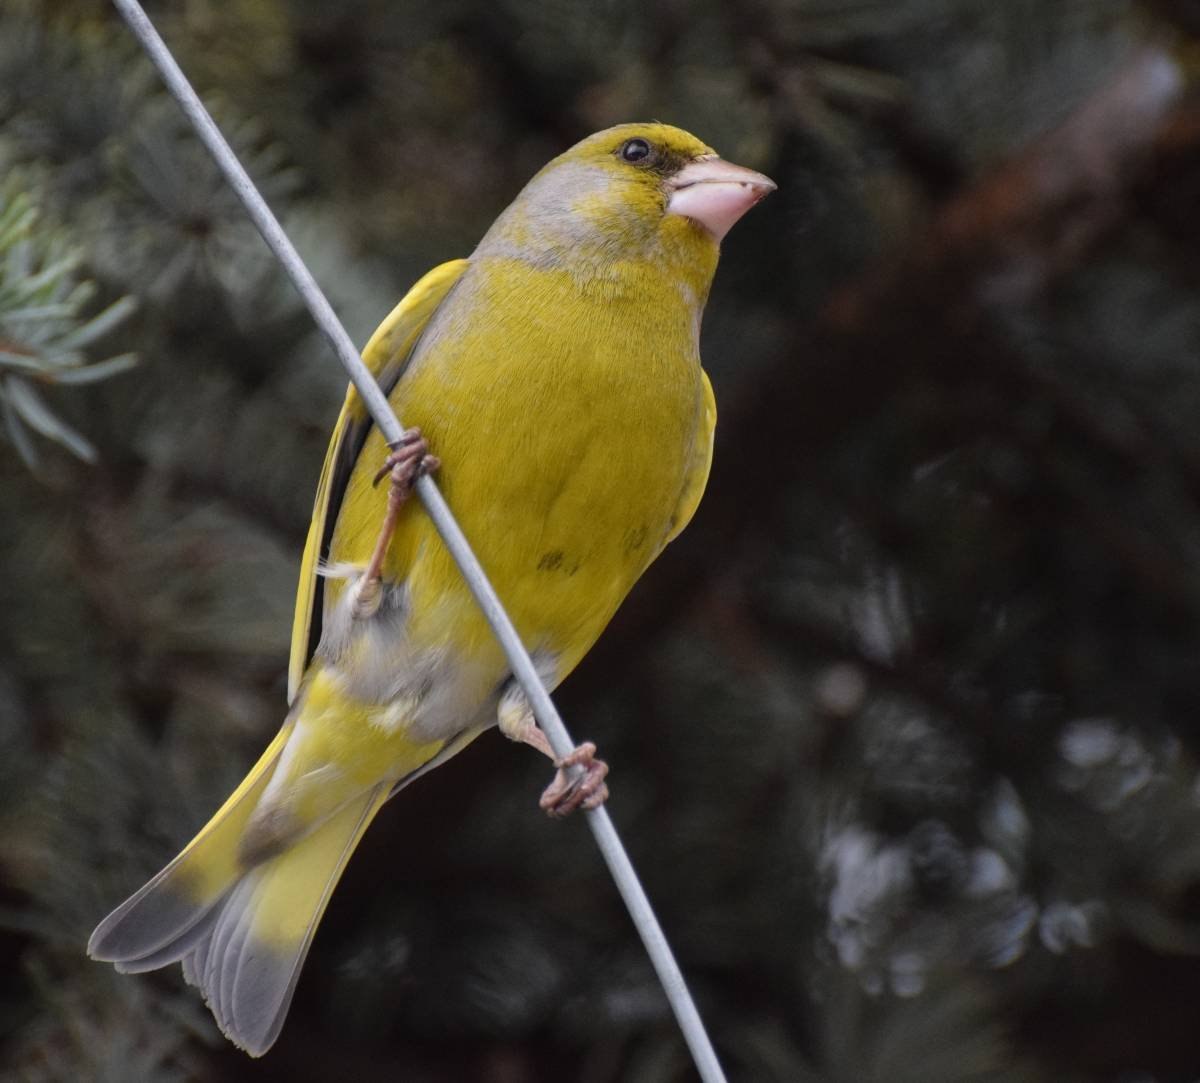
(386, 355)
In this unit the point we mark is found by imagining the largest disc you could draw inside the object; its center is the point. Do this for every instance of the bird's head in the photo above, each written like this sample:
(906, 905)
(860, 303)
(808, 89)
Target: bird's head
(636, 191)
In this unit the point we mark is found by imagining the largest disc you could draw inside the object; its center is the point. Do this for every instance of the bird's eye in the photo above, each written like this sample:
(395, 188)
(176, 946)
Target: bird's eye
(635, 150)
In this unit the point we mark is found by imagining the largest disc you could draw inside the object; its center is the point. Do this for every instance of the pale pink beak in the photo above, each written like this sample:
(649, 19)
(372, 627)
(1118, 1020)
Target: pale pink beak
(716, 193)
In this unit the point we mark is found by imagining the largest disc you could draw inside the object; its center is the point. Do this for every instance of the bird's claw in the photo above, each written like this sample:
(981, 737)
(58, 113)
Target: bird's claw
(408, 459)
(567, 792)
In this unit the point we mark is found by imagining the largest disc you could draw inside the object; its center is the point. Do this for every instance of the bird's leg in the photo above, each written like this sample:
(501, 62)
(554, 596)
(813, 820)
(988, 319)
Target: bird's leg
(408, 459)
(569, 790)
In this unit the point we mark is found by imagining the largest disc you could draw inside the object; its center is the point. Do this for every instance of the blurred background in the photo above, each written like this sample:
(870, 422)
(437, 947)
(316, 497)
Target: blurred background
(905, 729)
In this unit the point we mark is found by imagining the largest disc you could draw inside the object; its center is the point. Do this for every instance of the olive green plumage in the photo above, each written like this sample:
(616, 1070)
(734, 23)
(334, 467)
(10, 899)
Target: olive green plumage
(556, 374)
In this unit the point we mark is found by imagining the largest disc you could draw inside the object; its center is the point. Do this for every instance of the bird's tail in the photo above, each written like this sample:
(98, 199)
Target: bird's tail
(242, 932)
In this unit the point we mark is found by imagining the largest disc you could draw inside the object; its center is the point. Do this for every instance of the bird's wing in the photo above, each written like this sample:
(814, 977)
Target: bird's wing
(386, 355)
(697, 476)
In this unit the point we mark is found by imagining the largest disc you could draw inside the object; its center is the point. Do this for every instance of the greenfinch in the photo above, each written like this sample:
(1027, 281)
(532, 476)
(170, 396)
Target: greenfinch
(556, 373)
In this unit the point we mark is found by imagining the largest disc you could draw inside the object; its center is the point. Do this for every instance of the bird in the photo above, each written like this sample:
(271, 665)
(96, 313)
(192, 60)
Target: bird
(553, 381)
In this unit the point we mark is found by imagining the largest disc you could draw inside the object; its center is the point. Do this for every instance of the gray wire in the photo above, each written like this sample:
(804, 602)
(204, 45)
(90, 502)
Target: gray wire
(544, 711)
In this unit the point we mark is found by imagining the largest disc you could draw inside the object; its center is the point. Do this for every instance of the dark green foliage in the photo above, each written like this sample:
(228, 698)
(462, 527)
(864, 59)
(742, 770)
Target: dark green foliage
(903, 730)
(42, 335)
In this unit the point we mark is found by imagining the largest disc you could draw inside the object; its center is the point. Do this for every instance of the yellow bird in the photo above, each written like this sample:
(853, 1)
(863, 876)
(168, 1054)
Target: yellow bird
(556, 373)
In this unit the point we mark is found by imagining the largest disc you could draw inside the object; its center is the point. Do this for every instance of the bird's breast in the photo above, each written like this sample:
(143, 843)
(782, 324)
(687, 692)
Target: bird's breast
(564, 420)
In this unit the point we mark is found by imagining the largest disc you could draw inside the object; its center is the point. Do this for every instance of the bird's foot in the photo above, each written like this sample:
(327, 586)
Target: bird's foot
(570, 791)
(408, 459)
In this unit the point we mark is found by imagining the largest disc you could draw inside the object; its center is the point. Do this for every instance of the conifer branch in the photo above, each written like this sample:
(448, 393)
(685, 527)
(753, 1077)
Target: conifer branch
(44, 332)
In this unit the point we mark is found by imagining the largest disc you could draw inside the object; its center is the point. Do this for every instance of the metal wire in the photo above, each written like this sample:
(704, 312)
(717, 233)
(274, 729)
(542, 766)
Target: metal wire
(544, 711)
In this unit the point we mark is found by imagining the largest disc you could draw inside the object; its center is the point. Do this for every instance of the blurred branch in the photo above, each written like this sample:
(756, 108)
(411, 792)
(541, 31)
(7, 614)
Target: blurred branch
(1007, 237)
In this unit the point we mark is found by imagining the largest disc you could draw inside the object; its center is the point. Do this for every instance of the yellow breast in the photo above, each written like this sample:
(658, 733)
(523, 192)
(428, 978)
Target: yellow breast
(565, 421)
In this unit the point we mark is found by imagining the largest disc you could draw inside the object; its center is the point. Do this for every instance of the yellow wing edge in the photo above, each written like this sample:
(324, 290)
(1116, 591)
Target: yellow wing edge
(385, 354)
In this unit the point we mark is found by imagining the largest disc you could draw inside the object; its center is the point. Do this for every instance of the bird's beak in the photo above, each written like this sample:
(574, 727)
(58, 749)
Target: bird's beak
(716, 193)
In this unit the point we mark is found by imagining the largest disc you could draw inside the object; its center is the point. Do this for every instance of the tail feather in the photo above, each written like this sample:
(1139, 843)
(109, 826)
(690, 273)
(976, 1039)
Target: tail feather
(248, 965)
(241, 919)
(175, 950)
(151, 927)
